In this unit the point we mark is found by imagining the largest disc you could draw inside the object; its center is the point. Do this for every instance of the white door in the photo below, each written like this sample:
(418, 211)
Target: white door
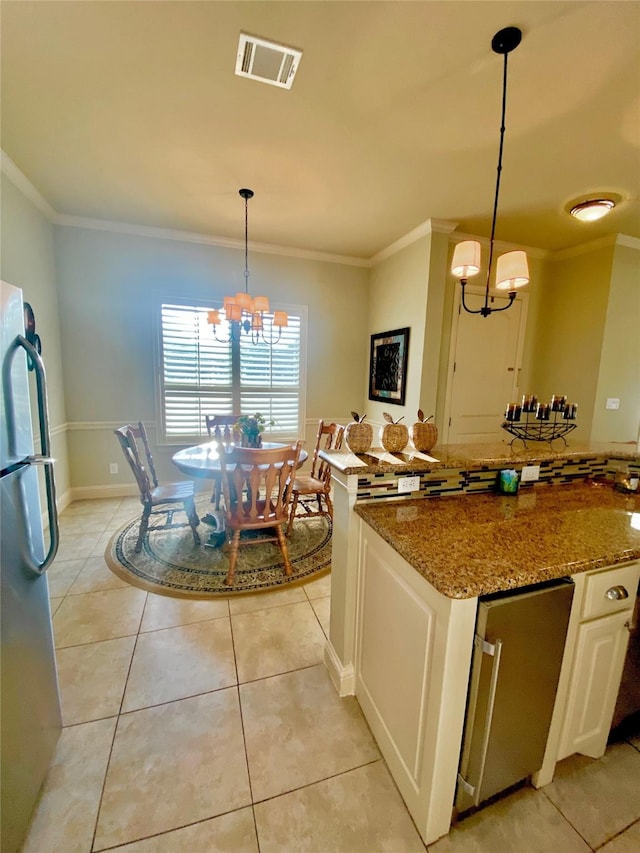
(484, 366)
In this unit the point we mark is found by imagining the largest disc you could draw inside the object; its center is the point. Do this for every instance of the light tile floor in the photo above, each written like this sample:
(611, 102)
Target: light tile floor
(208, 726)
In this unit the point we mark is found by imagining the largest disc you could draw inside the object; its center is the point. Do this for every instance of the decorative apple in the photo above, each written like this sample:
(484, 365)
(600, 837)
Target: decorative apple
(394, 436)
(358, 435)
(424, 435)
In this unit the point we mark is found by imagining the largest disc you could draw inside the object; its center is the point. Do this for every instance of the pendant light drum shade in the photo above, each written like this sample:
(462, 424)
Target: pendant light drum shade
(512, 270)
(466, 259)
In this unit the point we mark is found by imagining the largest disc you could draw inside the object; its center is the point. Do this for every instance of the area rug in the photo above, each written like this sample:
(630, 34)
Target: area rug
(171, 564)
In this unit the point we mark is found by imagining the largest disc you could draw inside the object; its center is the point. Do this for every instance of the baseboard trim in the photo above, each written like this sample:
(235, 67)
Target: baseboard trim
(121, 490)
(342, 677)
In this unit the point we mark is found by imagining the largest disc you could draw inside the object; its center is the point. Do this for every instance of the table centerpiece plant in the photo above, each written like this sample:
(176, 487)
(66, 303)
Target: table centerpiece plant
(250, 428)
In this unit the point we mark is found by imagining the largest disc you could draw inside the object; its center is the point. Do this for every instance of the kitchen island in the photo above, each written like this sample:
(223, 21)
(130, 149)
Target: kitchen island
(406, 575)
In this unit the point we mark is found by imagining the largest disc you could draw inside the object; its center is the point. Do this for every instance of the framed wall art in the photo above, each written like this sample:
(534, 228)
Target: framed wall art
(388, 366)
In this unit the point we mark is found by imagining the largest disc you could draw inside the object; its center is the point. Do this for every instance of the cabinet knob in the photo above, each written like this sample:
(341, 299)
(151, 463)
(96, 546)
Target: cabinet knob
(616, 593)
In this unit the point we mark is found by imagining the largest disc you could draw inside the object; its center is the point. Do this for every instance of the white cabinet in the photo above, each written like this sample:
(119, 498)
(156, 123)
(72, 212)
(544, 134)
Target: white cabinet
(413, 652)
(606, 611)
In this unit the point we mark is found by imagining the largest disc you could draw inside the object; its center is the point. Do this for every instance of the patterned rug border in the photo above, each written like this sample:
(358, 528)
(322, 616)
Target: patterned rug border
(125, 570)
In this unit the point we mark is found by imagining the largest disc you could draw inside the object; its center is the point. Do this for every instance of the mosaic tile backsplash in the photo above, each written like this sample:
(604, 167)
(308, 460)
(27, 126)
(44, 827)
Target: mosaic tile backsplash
(450, 481)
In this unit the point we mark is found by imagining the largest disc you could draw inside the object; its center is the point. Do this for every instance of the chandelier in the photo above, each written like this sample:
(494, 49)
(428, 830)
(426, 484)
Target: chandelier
(512, 270)
(245, 313)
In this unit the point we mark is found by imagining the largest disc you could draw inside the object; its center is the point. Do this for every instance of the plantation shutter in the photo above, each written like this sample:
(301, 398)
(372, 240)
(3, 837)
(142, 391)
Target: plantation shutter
(197, 374)
(270, 379)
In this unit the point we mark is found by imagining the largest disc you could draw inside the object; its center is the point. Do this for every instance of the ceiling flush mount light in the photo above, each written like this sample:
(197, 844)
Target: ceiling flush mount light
(243, 312)
(512, 270)
(592, 209)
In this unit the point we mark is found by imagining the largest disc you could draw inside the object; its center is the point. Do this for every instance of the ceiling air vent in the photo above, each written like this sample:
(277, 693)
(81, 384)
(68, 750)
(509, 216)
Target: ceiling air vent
(267, 61)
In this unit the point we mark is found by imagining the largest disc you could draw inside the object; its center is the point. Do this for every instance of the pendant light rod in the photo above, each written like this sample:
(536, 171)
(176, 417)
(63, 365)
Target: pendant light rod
(246, 195)
(466, 259)
(244, 313)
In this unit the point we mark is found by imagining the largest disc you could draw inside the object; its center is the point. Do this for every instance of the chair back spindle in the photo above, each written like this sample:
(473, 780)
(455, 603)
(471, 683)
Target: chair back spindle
(256, 484)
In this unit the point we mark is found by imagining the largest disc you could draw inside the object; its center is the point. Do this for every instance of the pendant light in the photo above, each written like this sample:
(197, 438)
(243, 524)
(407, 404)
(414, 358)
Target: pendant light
(512, 270)
(244, 312)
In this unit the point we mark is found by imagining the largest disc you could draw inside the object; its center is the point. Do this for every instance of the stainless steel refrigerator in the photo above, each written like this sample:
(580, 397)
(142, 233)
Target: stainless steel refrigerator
(517, 656)
(30, 704)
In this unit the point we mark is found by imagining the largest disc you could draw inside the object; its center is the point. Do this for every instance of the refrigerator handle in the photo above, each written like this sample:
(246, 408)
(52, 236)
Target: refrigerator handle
(45, 458)
(496, 651)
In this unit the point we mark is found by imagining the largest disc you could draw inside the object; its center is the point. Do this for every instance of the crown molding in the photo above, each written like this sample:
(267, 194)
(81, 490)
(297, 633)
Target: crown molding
(20, 180)
(153, 232)
(429, 226)
(585, 248)
(629, 242)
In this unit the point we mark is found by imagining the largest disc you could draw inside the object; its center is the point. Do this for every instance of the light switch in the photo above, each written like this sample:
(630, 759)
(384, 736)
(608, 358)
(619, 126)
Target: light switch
(613, 403)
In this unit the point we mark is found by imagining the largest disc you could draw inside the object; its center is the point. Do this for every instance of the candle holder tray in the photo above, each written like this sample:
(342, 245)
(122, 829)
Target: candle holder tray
(539, 430)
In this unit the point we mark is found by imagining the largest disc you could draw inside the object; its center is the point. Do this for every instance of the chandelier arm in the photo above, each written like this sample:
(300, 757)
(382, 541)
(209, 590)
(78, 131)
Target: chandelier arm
(463, 282)
(222, 340)
(270, 341)
(512, 296)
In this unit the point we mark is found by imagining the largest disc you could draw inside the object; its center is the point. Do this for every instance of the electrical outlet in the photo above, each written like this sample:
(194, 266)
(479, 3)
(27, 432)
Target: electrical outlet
(530, 473)
(113, 468)
(613, 402)
(408, 484)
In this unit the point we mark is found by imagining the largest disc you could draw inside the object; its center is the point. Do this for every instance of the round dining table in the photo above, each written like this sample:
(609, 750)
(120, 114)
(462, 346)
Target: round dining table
(203, 461)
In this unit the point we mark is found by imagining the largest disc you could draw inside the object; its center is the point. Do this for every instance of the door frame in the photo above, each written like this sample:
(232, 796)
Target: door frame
(523, 299)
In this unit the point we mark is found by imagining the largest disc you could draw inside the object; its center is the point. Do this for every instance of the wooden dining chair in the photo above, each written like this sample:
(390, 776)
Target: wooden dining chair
(255, 484)
(220, 428)
(317, 484)
(155, 498)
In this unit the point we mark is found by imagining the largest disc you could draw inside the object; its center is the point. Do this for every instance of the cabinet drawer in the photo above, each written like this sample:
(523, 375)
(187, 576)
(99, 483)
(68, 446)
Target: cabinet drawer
(610, 590)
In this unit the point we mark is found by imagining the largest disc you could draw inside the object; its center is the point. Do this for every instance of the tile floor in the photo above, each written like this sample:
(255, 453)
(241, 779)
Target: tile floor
(213, 726)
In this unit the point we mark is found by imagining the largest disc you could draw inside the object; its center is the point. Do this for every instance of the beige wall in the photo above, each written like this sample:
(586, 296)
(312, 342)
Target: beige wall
(569, 332)
(28, 262)
(110, 287)
(619, 374)
(398, 299)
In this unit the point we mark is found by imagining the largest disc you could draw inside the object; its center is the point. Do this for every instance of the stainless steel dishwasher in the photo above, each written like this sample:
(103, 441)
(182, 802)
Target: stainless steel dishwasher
(518, 648)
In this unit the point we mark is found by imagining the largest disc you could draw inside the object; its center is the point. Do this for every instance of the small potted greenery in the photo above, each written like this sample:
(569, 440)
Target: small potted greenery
(249, 428)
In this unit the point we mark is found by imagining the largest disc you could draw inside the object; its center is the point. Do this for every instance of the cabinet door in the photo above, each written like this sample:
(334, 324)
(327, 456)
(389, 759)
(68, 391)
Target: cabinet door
(595, 678)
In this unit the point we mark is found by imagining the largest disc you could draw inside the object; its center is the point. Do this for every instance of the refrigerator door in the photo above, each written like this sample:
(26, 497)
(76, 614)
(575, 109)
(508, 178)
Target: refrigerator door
(16, 435)
(29, 699)
(29, 703)
(518, 651)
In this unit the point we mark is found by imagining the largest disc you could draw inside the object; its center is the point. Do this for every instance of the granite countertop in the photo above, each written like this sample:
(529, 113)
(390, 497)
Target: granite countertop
(478, 544)
(470, 456)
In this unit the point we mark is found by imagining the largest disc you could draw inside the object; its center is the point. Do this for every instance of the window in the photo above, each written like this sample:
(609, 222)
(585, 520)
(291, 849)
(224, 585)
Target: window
(200, 375)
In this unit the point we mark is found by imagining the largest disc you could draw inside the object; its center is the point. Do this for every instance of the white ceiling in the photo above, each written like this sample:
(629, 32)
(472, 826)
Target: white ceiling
(130, 111)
